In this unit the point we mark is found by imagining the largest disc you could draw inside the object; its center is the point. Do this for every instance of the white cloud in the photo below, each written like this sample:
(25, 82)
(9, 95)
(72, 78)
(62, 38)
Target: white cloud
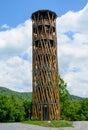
(16, 40)
(74, 21)
(15, 54)
(15, 73)
(5, 26)
(73, 50)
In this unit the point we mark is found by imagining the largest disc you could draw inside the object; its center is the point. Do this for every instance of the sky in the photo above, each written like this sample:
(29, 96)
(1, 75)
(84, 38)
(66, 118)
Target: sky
(16, 43)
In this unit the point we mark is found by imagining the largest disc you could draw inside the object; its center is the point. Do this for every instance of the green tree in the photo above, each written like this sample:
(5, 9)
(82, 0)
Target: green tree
(18, 109)
(84, 109)
(11, 109)
(64, 94)
(5, 108)
(71, 110)
(64, 97)
(28, 108)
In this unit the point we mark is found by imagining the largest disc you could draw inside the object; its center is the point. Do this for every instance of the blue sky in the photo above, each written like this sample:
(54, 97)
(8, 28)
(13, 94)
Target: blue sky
(13, 12)
(16, 43)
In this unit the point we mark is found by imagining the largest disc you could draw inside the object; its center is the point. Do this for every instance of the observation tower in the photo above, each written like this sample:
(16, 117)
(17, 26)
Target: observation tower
(45, 98)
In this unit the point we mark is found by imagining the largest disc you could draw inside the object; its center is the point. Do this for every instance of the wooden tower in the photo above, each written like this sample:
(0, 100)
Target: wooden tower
(45, 98)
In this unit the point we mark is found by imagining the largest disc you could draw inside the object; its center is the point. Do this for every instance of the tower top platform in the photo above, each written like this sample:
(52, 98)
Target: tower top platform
(44, 12)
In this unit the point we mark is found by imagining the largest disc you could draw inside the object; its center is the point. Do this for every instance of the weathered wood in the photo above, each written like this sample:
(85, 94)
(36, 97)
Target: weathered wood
(45, 97)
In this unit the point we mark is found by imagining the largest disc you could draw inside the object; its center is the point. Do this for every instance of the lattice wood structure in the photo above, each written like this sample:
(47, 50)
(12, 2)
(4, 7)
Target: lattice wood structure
(45, 66)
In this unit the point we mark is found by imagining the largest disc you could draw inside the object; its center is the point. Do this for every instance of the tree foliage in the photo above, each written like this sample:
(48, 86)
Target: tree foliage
(12, 109)
(64, 94)
(64, 97)
(71, 110)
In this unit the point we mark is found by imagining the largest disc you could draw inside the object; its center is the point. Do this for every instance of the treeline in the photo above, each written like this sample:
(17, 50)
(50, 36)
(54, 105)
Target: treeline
(76, 110)
(13, 109)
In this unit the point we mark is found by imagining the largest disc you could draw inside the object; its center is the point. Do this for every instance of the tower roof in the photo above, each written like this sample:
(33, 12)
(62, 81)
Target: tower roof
(44, 11)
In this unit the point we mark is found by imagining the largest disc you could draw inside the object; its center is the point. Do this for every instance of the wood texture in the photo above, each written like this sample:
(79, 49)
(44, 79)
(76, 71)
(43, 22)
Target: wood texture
(45, 98)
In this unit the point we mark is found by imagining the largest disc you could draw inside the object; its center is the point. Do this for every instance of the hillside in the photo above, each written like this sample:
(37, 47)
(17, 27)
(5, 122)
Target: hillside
(24, 95)
(28, 95)
(75, 98)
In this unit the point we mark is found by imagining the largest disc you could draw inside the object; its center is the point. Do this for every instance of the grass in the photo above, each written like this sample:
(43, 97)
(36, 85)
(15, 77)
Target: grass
(56, 124)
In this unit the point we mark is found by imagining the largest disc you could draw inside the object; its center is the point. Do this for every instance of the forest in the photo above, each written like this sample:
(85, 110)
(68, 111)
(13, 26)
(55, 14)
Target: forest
(18, 108)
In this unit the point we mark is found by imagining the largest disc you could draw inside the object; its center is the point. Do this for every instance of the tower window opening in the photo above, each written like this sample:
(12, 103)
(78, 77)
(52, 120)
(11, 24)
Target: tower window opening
(47, 27)
(40, 29)
(35, 32)
(36, 43)
(46, 16)
(51, 43)
(40, 17)
(44, 43)
(50, 16)
(39, 46)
